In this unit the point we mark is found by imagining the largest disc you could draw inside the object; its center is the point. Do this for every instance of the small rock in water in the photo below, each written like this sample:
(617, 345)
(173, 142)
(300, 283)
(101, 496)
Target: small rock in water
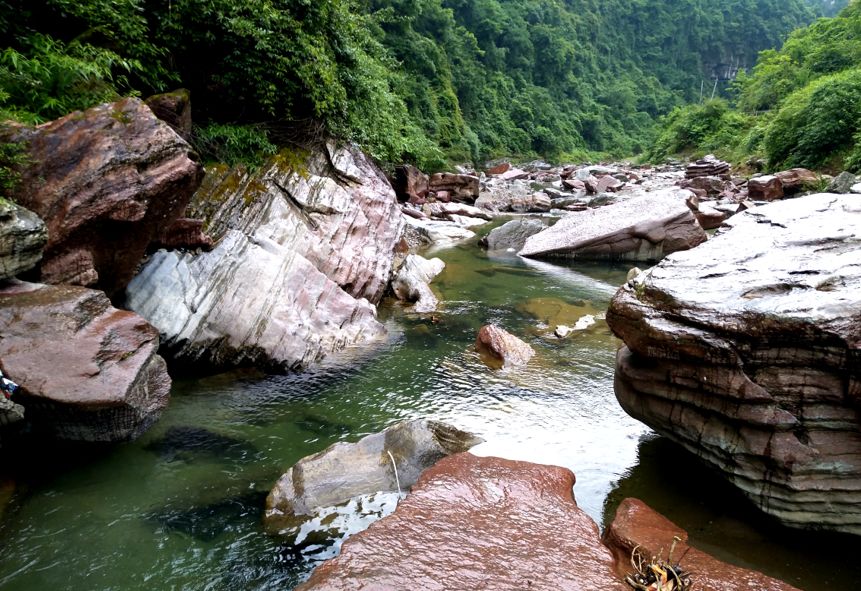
(585, 322)
(501, 348)
(562, 331)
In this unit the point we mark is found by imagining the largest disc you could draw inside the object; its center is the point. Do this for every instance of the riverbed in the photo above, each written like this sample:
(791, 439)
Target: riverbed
(181, 508)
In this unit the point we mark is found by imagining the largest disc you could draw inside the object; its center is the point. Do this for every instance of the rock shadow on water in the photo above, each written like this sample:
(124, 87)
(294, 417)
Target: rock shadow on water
(208, 522)
(721, 521)
(187, 443)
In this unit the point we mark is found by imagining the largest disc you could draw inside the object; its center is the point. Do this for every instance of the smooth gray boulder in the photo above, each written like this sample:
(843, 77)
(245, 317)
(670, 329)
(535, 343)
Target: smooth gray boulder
(513, 234)
(305, 249)
(643, 228)
(412, 282)
(22, 238)
(347, 470)
(747, 351)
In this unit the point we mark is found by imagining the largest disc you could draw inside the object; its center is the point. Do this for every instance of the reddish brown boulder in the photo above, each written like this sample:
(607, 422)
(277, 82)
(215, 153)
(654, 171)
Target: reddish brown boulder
(707, 166)
(186, 233)
(514, 174)
(477, 523)
(458, 187)
(174, 108)
(105, 181)
(636, 525)
(410, 184)
(712, 186)
(501, 348)
(574, 185)
(608, 184)
(500, 168)
(87, 371)
(765, 188)
(797, 179)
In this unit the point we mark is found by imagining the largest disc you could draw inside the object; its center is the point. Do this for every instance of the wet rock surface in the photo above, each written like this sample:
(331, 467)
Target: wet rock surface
(105, 182)
(347, 470)
(642, 228)
(305, 249)
(412, 282)
(87, 371)
(22, 238)
(638, 526)
(747, 351)
(513, 234)
(502, 349)
(478, 523)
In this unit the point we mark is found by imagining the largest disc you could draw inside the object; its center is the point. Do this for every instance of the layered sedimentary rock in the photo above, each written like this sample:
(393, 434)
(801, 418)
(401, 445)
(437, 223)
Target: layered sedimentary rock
(637, 527)
(707, 166)
(305, 249)
(747, 351)
(105, 181)
(643, 228)
(22, 238)
(346, 470)
(478, 523)
(458, 187)
(87, 371)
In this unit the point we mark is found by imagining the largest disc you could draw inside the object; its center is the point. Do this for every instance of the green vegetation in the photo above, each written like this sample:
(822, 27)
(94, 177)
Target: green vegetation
(425, 81)
(799, 106)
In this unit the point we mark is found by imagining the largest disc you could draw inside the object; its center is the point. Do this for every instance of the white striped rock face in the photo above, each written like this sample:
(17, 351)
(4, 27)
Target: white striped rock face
(747, 351)
(303, 254)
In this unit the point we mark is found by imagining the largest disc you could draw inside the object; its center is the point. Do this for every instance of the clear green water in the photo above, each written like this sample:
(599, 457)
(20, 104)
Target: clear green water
(181, 508)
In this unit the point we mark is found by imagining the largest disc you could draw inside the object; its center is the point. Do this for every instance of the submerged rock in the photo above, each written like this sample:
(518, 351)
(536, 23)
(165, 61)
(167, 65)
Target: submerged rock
(513, 234)
(643, 228)
(347, 470)
(501, 348)
(478, 523)
(412, 282)
(22, 238)
(305, 249)
(637, 526)
(747, 351)
(87, 371)
(106, 181)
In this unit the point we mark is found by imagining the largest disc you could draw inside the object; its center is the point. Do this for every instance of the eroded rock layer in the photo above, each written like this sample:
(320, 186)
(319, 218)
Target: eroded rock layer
(305, 248)
(747, 351)
(478, 523)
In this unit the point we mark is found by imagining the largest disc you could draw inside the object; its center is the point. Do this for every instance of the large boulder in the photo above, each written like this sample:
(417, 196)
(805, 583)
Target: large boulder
(501, 349)
(639, 530)
(174, 108)
(22, 238)
(87, 371)
(410, 184)
(536, 202)
(380, 462)
(412, 282)
(105, 181)
(513, 234)
(797, 179)
(305, 251)
(478, 523)
(747, 351)
(458, 187)
(765, 188)
(643, 228)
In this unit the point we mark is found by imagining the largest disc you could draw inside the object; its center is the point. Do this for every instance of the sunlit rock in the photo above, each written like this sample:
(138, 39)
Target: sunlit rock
(412, 282)
(502, 349)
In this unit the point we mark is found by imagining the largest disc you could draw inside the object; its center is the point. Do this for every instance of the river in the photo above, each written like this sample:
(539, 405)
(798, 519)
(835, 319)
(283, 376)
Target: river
(181, 508)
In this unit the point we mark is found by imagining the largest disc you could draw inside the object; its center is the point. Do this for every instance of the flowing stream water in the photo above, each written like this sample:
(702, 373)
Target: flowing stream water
(181, 508)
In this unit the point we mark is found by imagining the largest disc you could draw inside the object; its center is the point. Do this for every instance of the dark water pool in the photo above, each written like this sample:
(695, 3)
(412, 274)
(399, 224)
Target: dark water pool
(181, 508)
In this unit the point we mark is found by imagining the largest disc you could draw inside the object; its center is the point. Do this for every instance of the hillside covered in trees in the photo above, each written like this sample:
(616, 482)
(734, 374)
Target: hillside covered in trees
(799, 105)
(419, 80)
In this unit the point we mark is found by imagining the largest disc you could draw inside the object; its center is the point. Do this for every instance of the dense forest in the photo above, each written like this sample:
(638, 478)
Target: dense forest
(428, 81)
(799, 105)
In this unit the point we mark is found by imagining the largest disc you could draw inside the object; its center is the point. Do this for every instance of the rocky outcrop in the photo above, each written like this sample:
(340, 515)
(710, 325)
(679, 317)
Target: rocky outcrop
(643, 228)
(22, 238)
(502, 349)
(477, 523)
(105, 182)
(513, 234)
(305, 248)
(765, 188)
(707, 166)
(637, 526)
(346, 470)
(747, 351)
(797, 179)
(412, 282)
(410, 184)
(174, 108)
(446, 186)
(87, 371)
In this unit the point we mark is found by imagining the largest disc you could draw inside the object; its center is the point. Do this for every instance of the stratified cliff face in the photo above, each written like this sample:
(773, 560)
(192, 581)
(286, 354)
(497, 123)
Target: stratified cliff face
(305, 248)
(747, 351)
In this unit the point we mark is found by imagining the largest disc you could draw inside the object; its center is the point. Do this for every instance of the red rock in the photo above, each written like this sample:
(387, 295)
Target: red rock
(87, 371)
(477, 523)
(501, 348)
(105, 182)
(765, 188)
(460, 187)
(174, 108)
(636, 525)
(608, 184)
(514, 174)
(797, 179)
(574, 185)
(184, 233)
(410, 184)
(709, 217)
(498, 169)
